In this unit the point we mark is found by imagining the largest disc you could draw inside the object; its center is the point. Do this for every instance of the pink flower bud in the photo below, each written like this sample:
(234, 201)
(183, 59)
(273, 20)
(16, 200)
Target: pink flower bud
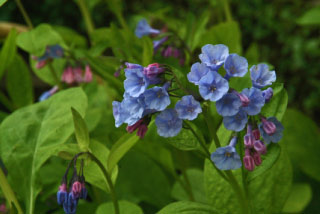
(143, 128)
(268, 126)
(88, 74)
(244, 99)
(248, 161)
(256, 134)
(76, 189)
(257, 158)
(68, 76)
(260, 147)
(132, 128)
(248, 140)
(63, 187)
(41, 64)
(78, 74)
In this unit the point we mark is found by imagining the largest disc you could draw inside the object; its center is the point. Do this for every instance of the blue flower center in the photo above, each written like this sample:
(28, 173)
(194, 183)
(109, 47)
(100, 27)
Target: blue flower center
(227, 154)
(212, 88)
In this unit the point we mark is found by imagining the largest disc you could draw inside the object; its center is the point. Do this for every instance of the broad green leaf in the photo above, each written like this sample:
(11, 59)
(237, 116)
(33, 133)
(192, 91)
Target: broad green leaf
(45, 73)
(30, 135)
(70, 37)
(93, 173)
(268, 161)
(2, 2)
(185, 140)
(3, 115)
(301, 136)
(120, 148)
(188, 207)
(300, 196)
(81, 131)
(227, 33)
(196, 180)
(252, 54)
(311, 17)
(125, 207)
(8, 51)
(147, 51)
(142, 171)
(19, 83)
(241, 83)
(36, 40)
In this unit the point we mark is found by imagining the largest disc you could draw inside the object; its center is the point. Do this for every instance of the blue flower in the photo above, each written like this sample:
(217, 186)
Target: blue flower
(133, 66)
(267, 94)
(212, 86)
(143, 29)
(71, 206)
(188, 108)
(227, 158)
(198, 70)
(136, 82)
(168, 123)
(277, 133)
(118, 113)
(45, 95)
(158, 43)
(261, 76)
(256, 100)
(51, 52)
(62, 194)
(236, 122)
(214, 55)
(135, 106)
(235, 66)
(156, 98)
(228, 105)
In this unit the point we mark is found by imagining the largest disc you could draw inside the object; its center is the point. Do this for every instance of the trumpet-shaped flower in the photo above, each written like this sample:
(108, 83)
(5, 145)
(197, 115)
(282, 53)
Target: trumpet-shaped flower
(188, 108)
(214, 55)
(261, 76)
(168, 123)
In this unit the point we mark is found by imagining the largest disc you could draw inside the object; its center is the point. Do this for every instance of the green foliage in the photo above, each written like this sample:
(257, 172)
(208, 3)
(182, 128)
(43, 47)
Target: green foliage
(299, 198)
(2, 2)
(81, 131)
(43, 128)
(188, 207)
(125, 207)
(19, 83)
(311, 17)
(8, 51)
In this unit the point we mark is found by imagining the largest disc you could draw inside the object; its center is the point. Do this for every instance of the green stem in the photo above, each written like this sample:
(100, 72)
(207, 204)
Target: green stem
(227, 10)
(8, 193)
(24, 14)
(86, 16)
(187, 186)
(54, 75)
(110, 184)
(122, 20)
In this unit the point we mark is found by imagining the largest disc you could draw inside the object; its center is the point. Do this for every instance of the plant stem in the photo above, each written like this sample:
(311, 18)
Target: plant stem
(8, 193)
(86, 16)
(54, 75)
(24, 14)
(110, 184)
(227, 10)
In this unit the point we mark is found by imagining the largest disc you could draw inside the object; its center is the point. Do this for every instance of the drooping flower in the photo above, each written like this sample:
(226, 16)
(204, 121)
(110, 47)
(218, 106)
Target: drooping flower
(267, 94)
(119, 113)
(76, 189)
(45, 95)
(227, 158)
(62, 194)
(214, 55)
(260, 147)
(235, 66)
(212, 86)
(188, 108)
(87, 74)
(256, 100)
(275, 130)
(198, 70)
(71, 206)
(136, 82)
(152, 71)
(248, 160)
(68, 75)
(261, 76)
(143, 29)
(168, 123)
(158, 43)
(51, 52)
(228, 105)
(157, 98)
(141, 126)
(135, 106)
(236, 122)
(248, 139)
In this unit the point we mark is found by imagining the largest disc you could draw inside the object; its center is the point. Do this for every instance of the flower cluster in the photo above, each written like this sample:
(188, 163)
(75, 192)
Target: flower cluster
(76, 75)
(77, 190)
(237, 108)
(147, 94)
(51, 52)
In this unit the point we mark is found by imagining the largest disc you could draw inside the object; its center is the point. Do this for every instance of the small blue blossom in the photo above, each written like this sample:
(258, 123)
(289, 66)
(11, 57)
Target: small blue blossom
(212, 86)
(136, 82)
(227, 158)
(256, 100)
(235, 66)
(156, 98)
(214, 55)
(198, 70)
(236, 122)
(71, 206)
(135, 106)
(188, 108)
(276, 136)
(261, 76)
(133, 66)
(143, 29)
(228, 105)
(158, 43)
(118, 113)
(267, 94)
(51, 52)
(168, 123)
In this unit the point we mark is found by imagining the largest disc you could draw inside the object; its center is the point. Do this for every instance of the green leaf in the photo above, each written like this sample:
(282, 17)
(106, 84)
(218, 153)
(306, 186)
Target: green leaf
(268, 161)
(8, 51)
(81, 131)
(19, 83)
(185, 140)
(2, 2)
(93, 173)
(196, 180)
(227, 33)
(36, 40)
(125, 207)
(30, 135)
(147, 51)
(120, 148)
(301, 136)
(188, 207)
(300, 196)
(311, 17)
(70, 37)
(252, 54)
